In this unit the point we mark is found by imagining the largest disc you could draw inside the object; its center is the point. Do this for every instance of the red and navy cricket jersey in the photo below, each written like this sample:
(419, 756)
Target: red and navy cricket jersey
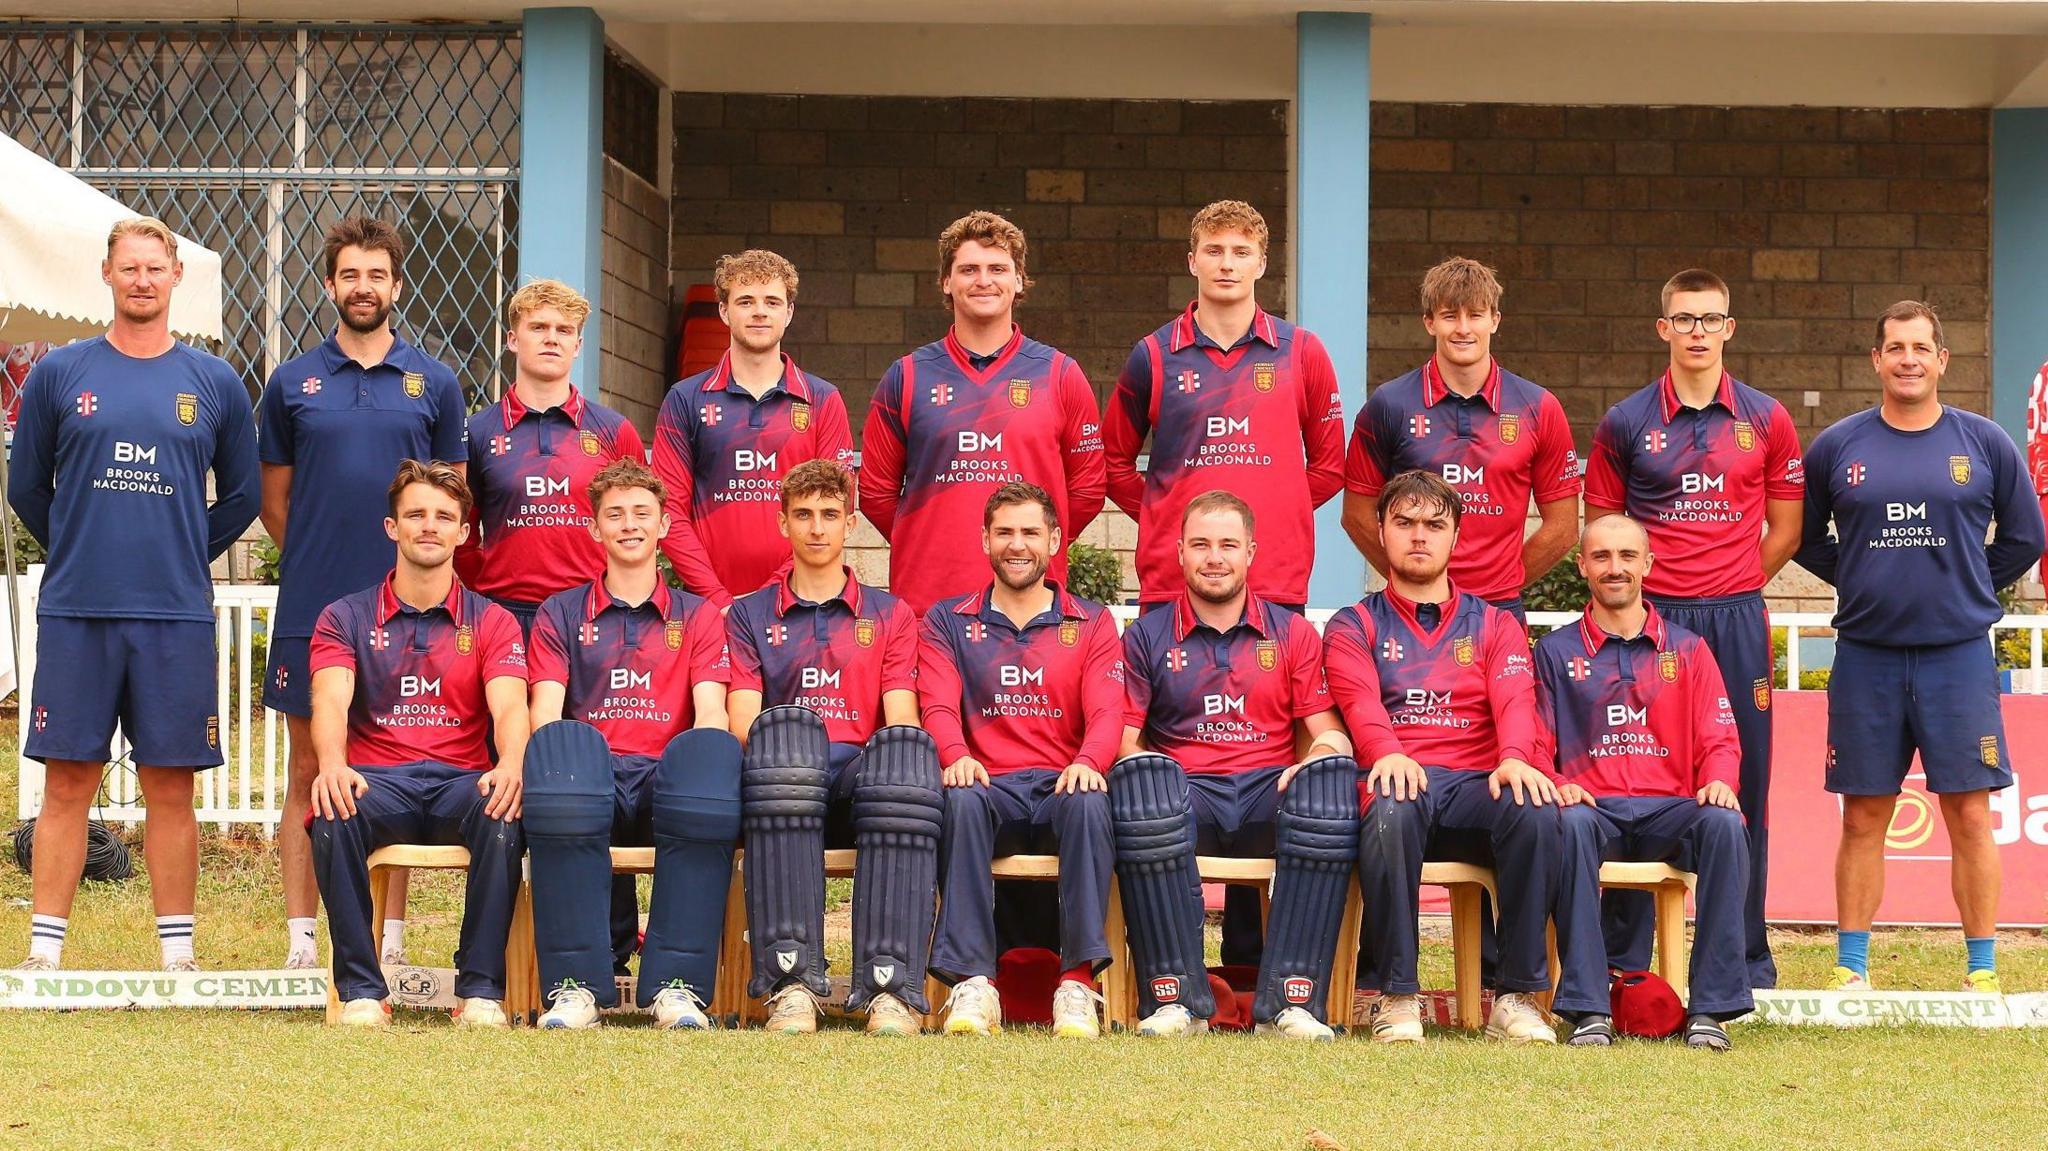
(420, 675)
(836, 657)
(530, 525)
(1241, 419)
(1506, 443)
(942, 435)
(342, 429)
(1911, 511)
(1046, 695)
(629, 670)
(1459, 695)
(1640, 717)
(1220, 702)
(723, 454)
(108, 471)
(1697, 479)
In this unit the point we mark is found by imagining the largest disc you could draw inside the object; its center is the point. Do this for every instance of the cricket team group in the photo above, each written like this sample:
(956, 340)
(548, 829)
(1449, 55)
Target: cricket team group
(523, 678)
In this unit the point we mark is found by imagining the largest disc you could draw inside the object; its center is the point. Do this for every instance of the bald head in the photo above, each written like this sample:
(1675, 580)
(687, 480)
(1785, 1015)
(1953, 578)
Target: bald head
(1610, 530)
(1614, 556)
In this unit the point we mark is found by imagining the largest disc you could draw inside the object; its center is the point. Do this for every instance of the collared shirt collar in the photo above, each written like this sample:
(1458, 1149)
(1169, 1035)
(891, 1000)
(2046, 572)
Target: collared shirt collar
(785, 592)
(598, 597)
(960, 352)
(1186, 331)
(399, 357)
(1667, 395)
(1434, 389)
(515, 410)
(1408, 608)
(1185, 620)
(792, 378)
(389, 605)
(984, 600)
(1593, 635)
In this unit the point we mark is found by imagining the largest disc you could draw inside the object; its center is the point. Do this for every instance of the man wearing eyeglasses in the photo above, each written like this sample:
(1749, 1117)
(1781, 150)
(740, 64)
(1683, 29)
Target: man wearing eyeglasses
(1711, 468)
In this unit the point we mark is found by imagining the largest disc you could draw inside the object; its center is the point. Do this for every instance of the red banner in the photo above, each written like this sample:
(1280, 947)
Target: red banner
(1806, 824)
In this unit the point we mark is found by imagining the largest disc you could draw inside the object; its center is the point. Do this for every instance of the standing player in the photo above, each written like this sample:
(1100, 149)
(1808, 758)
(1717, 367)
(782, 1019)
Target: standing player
(727, 436)
(1645, 744)
(537, 449)
(1022, 688)
(956, 419)
(1710, 467)
(1451, 673)
(835, 758)
(110, 459)
(637, 674)
(1225, 692)
(1912, 487)
(407, 673)
(332, 426)
(1234, 400)
(1492, 435)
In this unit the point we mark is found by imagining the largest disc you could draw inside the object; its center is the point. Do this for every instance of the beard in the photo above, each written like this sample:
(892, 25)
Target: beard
(1223, 593)
(1031, 578)
(1419, 569)
(1613, 597)
(379, 316)
(144, 313)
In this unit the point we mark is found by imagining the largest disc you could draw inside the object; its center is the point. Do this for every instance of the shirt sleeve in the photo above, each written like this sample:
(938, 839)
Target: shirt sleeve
(274, 441)
(1557, 461)
(1511, 690)
(899, 649)
(938, 687)
(1717, 754)
(2017, 532)
(1307, 684)
(674, 462)
(881, 452)
(547, 661)
(1082, 441)
(1819, 551)
(626, 444)
(1784, 470)
(1125, 425)
(1102, 694)
(1354, 679)
(1322, 420)
(1607, 471)
(502, 647)
(31, 466)
(451, 418)
(710, 657)
(739, 646)
(237, 481)
(333, 645)
(1137, 680)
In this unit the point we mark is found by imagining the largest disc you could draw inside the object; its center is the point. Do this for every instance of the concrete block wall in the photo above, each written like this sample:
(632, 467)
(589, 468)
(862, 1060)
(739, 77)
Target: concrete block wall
(633, 372)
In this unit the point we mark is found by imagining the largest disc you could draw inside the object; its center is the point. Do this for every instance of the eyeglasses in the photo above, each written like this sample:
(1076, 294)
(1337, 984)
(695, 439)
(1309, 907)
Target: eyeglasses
(1684, 323)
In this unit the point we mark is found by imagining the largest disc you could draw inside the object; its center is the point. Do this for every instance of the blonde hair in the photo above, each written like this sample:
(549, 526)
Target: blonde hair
(1460, 283)
(753, 266)
(984, 228)
(539, 294)
(148, 226)
(1228, 216)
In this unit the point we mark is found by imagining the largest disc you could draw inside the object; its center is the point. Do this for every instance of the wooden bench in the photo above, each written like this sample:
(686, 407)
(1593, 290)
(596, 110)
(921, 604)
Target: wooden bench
(1668, 888)
(1466, 883)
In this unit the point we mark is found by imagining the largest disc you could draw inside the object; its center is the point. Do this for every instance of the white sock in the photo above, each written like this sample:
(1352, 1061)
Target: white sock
(299, 931)
(394, 936)
(174, 937)
(46, 937)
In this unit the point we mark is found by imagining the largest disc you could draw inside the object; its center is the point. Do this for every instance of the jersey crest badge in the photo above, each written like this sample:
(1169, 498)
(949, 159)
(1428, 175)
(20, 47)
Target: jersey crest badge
(1667, 666)
(1020, 393)
(213, 733)
(1262, 377)
(1987, 750)
(672, 632)
(1760, 694)
(1959, 470)
(465, 640)
(800, 416)
(188, 410)
(864, 632)
(1745, 435)
(1070, 632)
(415, 384)
(1510, 427)
(591, 446)
(1269, 655)
(1461, 650)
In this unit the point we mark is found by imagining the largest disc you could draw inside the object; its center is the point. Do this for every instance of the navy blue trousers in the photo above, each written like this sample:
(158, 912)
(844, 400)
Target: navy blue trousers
(429, 803)
(1234, 817)
(1456, 819)
(1709, 841)
(1017, 813)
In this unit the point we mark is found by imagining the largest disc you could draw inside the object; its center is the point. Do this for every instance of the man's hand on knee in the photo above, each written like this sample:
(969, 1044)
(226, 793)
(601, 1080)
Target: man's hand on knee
(1077, 778)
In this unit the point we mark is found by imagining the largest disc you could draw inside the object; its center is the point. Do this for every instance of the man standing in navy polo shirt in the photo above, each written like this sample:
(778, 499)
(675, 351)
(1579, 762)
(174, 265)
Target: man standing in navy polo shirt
(332, 426)
(408, 675)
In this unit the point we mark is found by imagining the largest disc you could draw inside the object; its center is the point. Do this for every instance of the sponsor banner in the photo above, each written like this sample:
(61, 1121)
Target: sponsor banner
(2028, 1010)
(1867, 1008)
(75, 990)
(1808, 824)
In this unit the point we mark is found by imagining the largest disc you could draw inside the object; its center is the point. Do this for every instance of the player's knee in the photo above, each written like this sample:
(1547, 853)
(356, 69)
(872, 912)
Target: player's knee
(69, 789)
(1722, 827)
(1087, 811)
(1539, 823)
(1966, 816)
(1579, 826)
(965, 803)
(566, 815)
(1866, 816)
(682, 814)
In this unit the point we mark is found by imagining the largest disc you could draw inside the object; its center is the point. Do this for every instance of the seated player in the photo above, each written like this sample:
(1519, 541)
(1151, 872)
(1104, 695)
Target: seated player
(1450, 672)
(1231, 747)
(835, 758)
(629, 747)
(406, 674)
(1022, 689)
(1646, 746)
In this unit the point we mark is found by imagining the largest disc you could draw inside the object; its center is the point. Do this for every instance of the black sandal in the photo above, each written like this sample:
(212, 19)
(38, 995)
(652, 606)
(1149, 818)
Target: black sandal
(1706, 1032)
(1592, 1031)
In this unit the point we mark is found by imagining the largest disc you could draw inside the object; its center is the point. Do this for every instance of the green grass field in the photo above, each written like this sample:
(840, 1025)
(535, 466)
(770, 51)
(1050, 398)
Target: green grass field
(223, 1079)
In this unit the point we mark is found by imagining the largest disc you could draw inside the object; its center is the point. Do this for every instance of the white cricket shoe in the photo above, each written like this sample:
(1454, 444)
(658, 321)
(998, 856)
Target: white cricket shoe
(182, 966)
(888, 1015)
(1517, 1019)
(792, 1011)
(571, 1007)
(1171, 1022)
(481, 1013)
(35, 963)
(301, 960)
(974, 1008)
(1074, 1011)
(365, 1013)
(1297, 1023)
(676, 1007)
(1396, 1019)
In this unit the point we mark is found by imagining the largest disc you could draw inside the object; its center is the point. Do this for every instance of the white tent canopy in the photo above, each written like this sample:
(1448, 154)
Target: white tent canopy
(53, 233)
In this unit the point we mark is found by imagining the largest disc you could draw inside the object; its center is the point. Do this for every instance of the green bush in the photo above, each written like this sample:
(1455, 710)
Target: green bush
(26, 550)
(1095, 573)
(1562, 588)
(267, 556)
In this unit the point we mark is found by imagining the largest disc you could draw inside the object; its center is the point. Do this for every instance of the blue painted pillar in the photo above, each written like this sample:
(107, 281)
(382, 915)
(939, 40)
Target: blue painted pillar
(561, 160)
(2019, 260)
(1332, 130)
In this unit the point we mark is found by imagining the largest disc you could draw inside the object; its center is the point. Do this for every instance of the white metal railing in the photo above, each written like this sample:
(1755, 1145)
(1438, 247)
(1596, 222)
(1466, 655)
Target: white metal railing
(248, 787)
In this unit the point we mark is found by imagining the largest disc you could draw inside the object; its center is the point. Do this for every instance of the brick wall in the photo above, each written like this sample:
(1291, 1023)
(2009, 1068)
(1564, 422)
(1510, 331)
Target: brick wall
(635, 327)
(1818, 217)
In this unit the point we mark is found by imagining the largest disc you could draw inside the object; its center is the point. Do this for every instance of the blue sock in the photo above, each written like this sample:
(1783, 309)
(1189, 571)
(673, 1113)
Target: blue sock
(1852, 950)
(1980, 952)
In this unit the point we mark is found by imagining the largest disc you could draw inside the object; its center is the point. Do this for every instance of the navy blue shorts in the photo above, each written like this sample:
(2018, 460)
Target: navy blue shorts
(1885, 703)
(523, 612)
(288, 676)
(154, 677)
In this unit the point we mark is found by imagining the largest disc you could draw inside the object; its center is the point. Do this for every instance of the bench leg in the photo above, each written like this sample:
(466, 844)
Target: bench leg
(1344, 969)
(1465, 954)
(522, 963)
(1119, 981)
(735, 966)
(1671, 952)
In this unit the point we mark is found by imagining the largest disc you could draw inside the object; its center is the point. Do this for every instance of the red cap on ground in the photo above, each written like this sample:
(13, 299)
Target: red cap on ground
(1644, 1005)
